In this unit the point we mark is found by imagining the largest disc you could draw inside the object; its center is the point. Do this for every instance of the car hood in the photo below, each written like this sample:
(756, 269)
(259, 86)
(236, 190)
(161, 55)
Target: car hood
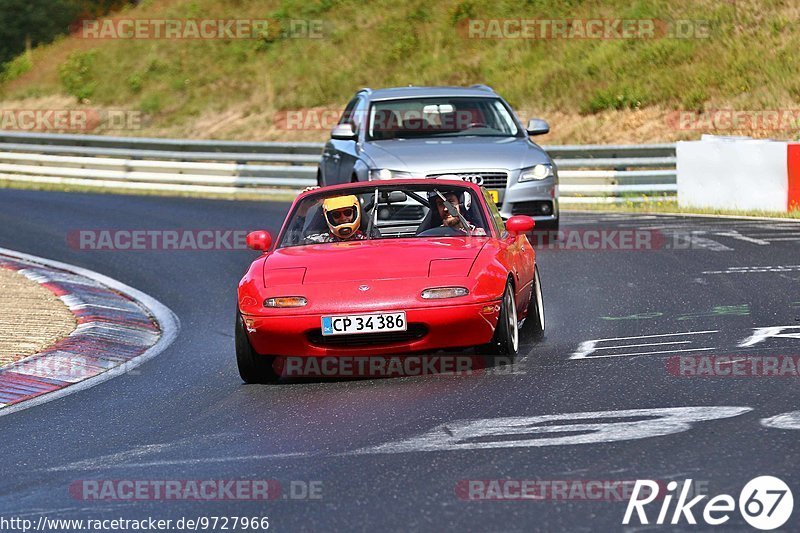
(372, 260)
(432, 155)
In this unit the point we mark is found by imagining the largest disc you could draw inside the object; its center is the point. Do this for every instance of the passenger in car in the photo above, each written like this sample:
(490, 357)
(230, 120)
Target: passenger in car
(342, 215)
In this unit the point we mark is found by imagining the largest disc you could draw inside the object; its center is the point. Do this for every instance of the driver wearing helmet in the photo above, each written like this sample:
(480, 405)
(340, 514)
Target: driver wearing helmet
(343, 216)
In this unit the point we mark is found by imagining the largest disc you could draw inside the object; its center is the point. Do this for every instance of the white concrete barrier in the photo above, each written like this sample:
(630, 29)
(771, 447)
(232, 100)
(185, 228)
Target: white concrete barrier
(737, 173)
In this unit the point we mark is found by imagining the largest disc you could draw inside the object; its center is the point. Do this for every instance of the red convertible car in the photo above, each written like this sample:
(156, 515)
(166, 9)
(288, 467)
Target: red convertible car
(386, 268)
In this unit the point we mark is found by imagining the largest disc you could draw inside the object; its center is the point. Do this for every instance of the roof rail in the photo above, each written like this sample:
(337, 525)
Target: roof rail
(482, 87)
(364, 90)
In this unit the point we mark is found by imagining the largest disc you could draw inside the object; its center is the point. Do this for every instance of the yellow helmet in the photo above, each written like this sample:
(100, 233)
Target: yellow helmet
(344, 225)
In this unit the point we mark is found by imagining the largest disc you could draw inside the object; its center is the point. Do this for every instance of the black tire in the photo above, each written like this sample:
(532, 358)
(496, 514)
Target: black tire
(506, 335)
(253, 367)
(535, 323)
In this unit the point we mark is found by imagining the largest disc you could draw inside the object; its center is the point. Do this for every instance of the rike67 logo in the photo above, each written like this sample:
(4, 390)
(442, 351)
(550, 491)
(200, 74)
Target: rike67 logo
(765, 503)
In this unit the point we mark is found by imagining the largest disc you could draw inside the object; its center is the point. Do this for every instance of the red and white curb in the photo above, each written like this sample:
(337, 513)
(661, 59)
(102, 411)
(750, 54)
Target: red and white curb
(119, 328)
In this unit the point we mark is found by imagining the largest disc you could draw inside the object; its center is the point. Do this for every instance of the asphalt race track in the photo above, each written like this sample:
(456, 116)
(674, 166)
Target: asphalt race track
(391, 453)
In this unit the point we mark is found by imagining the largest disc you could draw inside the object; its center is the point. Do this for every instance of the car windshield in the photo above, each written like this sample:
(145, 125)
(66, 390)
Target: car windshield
(386, 211)
(439, 117)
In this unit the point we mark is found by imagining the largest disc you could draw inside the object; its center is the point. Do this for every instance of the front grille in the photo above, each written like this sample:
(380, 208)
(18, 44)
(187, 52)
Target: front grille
(414, 332)
(491, 180)
(540, 208)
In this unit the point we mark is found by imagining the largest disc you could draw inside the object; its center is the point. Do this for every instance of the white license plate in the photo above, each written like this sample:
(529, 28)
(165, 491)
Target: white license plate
(372, 323)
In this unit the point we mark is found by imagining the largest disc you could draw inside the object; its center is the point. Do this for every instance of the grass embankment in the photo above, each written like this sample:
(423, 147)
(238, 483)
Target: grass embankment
(742, 57)
(615, 90)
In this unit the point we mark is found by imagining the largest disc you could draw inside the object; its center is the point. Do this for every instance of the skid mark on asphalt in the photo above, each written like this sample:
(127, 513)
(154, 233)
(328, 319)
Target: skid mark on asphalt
(114, 459)
(714, 312)
(209, 460)
(145, 456)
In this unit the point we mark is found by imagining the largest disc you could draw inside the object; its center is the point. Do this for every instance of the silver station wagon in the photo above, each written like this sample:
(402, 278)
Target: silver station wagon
(437, 132)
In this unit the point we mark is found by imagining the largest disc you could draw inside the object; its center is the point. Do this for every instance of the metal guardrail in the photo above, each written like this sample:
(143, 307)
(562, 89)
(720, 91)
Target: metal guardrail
(588, 173)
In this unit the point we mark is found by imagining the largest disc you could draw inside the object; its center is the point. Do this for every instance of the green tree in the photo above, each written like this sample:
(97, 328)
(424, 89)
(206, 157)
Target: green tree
(34, 22)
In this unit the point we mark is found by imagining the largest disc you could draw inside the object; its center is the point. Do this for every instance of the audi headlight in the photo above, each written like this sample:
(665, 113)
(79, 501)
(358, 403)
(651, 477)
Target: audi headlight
(285, 301)
(438, 293)
(538, 172)
(386, 174)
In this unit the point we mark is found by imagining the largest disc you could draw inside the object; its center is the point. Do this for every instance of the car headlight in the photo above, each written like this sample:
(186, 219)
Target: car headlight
(386, 174)
(285, 301)
(438, 293)
(538, 172)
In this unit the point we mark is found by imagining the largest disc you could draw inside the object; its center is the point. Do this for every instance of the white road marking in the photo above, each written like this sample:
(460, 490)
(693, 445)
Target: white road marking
(694, 240)
(733, 234)
(97, 306)
(588, 347)
(731, 362)
(708, 244)
(71, 301)
(650, 353)
(643, 345)
(789, 420)
(755, 269)
(775, 332)
(660, 335)
(536, 431)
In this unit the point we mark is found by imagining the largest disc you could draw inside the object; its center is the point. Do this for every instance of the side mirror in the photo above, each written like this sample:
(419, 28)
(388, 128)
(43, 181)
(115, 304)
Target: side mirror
(537, 126)
(519, 224)
(259, 240)
(344, 132)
